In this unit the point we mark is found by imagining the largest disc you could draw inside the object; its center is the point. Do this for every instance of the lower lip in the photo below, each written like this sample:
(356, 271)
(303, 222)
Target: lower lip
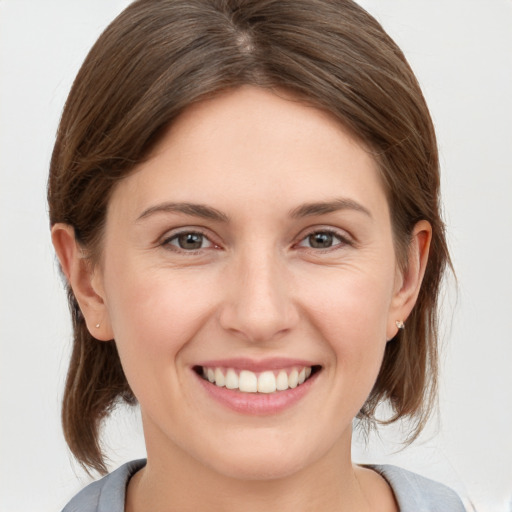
(257, 403)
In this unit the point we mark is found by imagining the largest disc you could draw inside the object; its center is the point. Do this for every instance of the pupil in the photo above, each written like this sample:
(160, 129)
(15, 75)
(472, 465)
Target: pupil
(320, 240)
(190, 241)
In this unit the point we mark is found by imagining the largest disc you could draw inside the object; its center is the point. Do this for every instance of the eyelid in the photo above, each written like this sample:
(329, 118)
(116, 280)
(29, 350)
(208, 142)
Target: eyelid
(342, 235)
(173, 234)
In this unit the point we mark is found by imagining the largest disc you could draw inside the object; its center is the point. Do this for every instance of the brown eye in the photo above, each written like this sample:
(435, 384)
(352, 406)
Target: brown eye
(321, 240)
(324, 239)
(189, 241)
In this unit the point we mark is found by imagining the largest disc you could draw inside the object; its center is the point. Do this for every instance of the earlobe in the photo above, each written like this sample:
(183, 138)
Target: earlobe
(84, 281)
(409, 280)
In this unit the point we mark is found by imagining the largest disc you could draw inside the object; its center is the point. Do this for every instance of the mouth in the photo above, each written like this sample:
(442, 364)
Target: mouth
(265, 382)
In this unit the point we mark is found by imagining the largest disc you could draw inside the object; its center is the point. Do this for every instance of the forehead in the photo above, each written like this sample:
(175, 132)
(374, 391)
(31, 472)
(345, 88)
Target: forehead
(256, 144)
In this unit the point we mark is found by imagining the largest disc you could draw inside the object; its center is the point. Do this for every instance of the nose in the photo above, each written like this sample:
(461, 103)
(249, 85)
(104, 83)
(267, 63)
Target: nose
(259, 306)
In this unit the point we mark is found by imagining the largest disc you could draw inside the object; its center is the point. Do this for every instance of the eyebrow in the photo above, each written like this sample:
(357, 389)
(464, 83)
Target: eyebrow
(324, 207)
(195, 210)
(207, 212)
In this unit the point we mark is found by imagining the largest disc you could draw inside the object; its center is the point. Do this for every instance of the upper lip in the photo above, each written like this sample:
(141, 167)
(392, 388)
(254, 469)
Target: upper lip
(241, 363)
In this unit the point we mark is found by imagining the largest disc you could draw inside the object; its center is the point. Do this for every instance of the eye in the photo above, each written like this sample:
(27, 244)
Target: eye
(189, 241)
(324, 239)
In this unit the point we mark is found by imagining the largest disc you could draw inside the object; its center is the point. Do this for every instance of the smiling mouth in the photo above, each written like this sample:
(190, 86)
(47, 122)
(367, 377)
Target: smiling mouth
(246, 381)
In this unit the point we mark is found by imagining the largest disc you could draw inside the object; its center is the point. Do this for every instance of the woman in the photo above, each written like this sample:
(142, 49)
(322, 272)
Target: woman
(244, 202)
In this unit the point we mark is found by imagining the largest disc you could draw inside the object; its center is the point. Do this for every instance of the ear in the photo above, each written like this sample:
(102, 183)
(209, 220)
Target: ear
(408, 281)
(85, 280)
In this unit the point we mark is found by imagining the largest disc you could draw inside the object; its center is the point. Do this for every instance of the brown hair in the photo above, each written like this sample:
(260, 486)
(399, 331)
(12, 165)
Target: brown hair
(160, 56)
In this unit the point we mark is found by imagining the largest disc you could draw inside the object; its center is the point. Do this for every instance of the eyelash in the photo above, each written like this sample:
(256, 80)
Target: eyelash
(335, 235)
(167, 242)
(343, 240)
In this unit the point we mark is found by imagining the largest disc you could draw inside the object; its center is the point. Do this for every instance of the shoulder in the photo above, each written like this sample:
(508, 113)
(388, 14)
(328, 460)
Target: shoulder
(415, 493)
(107, 494)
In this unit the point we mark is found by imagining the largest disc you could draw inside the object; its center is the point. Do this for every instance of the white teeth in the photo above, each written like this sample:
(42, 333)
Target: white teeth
(267, 382)
(282, 381)
(249, 382)
(293, 379)
(219, 378)
(231, 379)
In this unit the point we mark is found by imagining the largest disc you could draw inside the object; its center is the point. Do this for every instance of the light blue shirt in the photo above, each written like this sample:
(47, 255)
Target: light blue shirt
(414, 493)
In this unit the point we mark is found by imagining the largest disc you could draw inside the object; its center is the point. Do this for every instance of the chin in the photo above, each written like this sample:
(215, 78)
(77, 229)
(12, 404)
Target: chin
(263, 459)
(258, 467)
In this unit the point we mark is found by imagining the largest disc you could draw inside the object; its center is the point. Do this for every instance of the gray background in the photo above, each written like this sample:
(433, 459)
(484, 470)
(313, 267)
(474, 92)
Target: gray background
(461, 52)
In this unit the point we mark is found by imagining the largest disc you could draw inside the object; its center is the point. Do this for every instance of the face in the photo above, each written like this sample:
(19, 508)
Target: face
(249, 278)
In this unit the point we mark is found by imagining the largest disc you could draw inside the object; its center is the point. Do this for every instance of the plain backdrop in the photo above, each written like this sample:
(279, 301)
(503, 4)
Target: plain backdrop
(461, 51)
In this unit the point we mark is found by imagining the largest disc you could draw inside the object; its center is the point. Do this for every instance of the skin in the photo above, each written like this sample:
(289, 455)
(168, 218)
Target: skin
(255, 288)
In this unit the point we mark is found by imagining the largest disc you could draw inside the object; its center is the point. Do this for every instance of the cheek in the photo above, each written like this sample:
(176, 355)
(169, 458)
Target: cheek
(350, 300)
(351, 311)
(155, 314)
